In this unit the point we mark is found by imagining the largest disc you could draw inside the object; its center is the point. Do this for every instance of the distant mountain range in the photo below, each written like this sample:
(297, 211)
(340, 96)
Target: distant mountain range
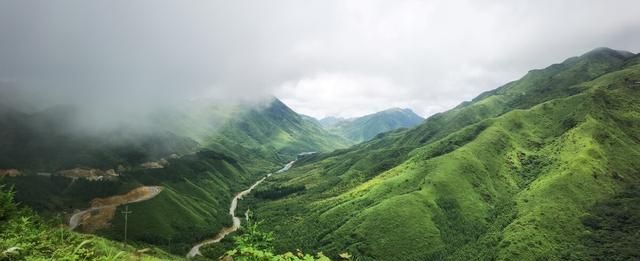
(366, 127)
(542, 168)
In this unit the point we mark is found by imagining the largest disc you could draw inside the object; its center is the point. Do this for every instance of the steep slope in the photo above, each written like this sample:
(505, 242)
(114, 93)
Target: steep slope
(197, 188)
(275, 133)
(366, 127)
(330, 121)
(213, 161)
(48, 141)
(514, 174)
(27, 236)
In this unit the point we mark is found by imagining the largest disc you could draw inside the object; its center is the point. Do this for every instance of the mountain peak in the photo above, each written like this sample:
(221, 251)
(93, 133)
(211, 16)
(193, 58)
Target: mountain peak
(400, 110)
(396, 109)
(609, 52)
(368, 126)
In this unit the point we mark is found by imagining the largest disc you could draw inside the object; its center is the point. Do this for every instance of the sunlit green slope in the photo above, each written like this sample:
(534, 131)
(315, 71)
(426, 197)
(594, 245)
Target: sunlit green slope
(523, 172)
(26, 236)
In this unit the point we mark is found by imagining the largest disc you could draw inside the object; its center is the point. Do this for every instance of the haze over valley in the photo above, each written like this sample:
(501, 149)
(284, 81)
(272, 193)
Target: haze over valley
(319, 130)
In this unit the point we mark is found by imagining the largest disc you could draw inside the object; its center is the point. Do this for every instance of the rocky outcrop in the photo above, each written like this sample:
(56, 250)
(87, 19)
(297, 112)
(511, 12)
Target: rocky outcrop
(10, 173)
(155, 164)
(89, 174)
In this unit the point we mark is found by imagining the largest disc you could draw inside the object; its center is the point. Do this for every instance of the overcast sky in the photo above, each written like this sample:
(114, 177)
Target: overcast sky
(340, 58)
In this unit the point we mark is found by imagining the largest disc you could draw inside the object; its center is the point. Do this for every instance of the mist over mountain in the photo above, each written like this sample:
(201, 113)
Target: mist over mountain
(330, 121)
(57, 137)
(326, 58)
(531, 169)
(198, 158)
(366, 127)
(291, 130)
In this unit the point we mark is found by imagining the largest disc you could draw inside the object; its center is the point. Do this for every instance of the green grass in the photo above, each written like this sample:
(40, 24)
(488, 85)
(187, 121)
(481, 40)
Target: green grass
(249, 142)
(26, 236)
(275, 133)
(543, 168)
(193, 205)
(508, 176)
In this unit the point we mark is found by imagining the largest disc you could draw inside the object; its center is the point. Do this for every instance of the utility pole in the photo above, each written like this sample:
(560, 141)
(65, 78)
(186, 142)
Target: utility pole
(62, 227)
(126, 213)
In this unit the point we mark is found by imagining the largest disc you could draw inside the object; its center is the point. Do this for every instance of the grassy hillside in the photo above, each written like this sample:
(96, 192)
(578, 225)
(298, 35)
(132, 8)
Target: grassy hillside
(198, 186)
(50, 140)
(542, 168)
(257, 133)
(366, 127)
(26, 236)
(532, 170)
(198, 190)
(274, 132)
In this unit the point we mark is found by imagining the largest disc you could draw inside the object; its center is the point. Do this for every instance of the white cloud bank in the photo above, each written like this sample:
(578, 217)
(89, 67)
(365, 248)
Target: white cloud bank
(342, 58)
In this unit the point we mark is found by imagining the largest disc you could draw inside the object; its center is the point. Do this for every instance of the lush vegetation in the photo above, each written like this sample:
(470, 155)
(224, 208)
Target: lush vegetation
(253, 244)
(275, 192)
(26, 236)
(275, 133)
(198, 190)
(510, 175)
(198, 186)
(50, 140)
(613, 226)
(542, 168)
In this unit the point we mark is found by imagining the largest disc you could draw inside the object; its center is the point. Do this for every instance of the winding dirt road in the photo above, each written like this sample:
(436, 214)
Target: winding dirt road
(111, 203)
(195, 250)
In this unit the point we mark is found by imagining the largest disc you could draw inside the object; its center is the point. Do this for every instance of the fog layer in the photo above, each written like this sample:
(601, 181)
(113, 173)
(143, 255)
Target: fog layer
(124, 59)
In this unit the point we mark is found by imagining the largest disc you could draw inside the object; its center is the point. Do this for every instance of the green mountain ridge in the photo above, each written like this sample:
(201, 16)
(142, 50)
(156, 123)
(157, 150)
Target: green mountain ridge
(515, 174)
(49, 140)
(366, 127)
(276, 133)
(541, 168)
(198, 185)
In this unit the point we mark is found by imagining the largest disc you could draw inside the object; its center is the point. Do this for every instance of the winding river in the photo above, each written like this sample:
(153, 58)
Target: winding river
(195, 250)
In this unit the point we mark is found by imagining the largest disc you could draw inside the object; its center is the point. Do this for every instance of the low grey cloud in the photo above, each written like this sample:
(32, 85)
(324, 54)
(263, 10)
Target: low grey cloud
(343, 58)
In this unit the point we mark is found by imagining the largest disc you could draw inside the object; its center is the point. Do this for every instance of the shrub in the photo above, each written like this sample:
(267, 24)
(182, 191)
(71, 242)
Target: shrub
(7, 207)
(256, 245)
